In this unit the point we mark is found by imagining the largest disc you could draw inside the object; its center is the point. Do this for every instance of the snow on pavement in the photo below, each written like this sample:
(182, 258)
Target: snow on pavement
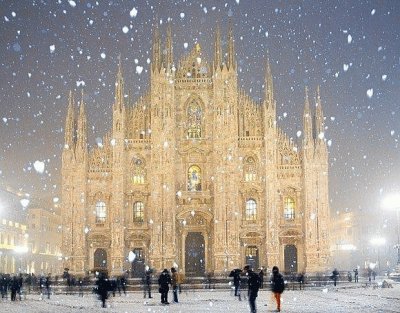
(313, 300)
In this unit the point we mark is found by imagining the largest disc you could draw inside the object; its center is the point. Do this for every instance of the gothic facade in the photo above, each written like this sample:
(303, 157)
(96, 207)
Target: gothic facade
(195, 174)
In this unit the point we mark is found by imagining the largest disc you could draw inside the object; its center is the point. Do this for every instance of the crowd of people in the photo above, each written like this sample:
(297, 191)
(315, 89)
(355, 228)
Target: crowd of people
(246, 284)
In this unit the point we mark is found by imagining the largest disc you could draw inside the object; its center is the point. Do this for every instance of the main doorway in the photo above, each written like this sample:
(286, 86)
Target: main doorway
(290, 255)
(252, 258)
(100, 260)
(137, 266)
(194, 254)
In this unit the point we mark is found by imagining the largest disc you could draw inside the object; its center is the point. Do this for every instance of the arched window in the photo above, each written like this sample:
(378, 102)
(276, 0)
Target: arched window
(194, 115)
(251, 210)
(194, 178)
(289, 207)
(138, 175)
(101, 212)
(138, 211)
(249, 169)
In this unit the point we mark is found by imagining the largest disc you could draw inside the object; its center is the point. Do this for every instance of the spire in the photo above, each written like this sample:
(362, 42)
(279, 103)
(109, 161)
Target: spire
(307, 120)
(156, 48)
(217, 48)
(69, 123)
(168, 47)
(269, 86)
(119, 88)
(81, 129)
(319, 117)
(231, 48)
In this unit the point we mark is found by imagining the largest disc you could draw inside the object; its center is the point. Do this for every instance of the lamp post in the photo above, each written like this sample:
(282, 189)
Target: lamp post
(377, 242)
(393, 202)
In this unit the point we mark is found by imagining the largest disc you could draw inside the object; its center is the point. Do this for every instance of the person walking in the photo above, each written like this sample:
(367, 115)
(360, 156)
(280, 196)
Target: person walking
(300, 280)
(253, 282)
(335, 276)
(147, 283)
(48, 285)
(277, 286)
(164, 281)
(355, 275)
(174, 283)
(261, 275)
(103, 287)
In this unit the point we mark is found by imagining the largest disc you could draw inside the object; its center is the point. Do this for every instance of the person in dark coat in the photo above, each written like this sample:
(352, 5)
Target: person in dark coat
(14, 287)
(355, 275)
(236, 280)
(253, 283)
(261, 275)
(335, 276)
(48, 285)
(147, 283)
(174, 284)
(164, 281)
(103, 287)
(300, 279)
(277, 286)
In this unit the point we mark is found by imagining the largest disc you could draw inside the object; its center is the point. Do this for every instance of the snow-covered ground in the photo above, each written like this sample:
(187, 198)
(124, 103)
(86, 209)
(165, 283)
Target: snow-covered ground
(330, 299)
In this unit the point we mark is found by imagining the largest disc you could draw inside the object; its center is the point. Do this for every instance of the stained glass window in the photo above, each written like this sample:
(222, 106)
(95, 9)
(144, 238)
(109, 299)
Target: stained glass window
(288, 211)
(138, 211)
(101, 212)
(194, 178)
(194, 115)
(251, 210)
(138, 176)
(250, 169)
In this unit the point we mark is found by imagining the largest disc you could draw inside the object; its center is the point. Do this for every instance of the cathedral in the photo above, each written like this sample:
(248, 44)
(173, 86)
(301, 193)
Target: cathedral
(195, 174)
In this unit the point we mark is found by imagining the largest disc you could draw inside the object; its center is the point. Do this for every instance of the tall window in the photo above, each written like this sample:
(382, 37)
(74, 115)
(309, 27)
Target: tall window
(251, 210)
(249, 169)
(101, 212)
(194, 115)
(138, 171)
(288, 211)
(194, 178)
(138, 211)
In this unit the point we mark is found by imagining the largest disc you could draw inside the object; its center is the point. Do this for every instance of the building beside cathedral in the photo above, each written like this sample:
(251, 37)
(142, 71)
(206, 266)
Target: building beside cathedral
(195, 174)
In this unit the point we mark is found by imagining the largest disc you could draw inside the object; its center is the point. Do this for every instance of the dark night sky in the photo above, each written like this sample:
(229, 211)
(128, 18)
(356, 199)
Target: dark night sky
(350, 48)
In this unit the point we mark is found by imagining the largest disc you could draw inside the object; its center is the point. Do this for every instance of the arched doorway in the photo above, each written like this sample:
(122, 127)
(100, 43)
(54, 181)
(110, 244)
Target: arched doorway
(194, 254)
(290, 255)
(100, 259)
(252, 257)
(138, 267)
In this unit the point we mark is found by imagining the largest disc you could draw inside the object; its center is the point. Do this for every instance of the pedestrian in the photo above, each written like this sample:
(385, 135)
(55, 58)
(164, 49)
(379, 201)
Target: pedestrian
(48, 285)
(374, 274)
(349, 277)
(355, 275)
(253, 282)
(14, 288)
(123, 284)
(164, 281)
(147, 283)
(174, 283)
(300, 279)
(335, 276)
(277, 286)
(261, 276)
(236, 280)
(103, 287)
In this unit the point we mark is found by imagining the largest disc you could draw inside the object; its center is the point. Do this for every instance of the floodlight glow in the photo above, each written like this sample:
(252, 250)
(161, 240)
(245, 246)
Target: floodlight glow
(391, 201)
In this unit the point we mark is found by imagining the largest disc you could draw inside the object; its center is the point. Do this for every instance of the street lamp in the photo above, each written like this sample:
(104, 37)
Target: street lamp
(378, 242)
(393, 202)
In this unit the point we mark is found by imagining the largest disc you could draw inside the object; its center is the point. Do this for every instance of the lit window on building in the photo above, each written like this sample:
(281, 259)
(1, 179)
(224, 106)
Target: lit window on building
(289, 208)
(194, 115)
(194, 178)
(250, 170)
(251, 210)
(138, 212)
(101, 212)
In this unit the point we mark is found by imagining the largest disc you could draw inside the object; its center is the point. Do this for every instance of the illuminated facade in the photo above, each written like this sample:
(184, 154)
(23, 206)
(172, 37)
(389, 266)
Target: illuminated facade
(195, 173)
